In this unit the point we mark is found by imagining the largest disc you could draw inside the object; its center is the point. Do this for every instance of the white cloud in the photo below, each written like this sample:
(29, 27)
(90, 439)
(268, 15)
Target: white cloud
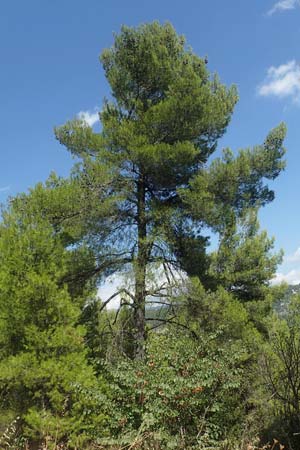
(91, 118)
(4, 188)
(111, 285)
(282, 82)
(283, 5)
(290, 271)
(292, 277)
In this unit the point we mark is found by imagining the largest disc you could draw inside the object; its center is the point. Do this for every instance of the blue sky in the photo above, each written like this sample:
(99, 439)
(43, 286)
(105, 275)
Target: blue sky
(50, 72)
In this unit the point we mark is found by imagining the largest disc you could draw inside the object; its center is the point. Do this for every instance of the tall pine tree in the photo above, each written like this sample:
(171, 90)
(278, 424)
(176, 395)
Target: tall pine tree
(158, 132)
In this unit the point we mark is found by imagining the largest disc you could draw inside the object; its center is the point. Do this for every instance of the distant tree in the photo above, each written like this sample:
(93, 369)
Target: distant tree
(158, 132)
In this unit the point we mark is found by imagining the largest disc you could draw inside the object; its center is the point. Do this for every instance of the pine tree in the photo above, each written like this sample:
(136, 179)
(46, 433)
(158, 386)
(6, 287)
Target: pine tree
(43, 358)
(158, 132)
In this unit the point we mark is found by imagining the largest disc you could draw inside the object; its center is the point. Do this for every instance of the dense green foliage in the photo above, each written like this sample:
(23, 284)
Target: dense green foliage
(43, 356)
(194, 356)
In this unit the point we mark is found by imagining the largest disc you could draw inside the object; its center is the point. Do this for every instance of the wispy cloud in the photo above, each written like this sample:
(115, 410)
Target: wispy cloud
(282, 81)
(90, 117)
(283, 5)
(4, 188)
(294, 257)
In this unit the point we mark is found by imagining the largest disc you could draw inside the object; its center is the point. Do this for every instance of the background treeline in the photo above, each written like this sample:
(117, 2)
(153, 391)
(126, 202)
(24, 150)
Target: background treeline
(200, 353)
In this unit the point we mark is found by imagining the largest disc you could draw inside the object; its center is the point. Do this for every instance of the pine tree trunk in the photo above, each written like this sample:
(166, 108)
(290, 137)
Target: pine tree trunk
(140, 273)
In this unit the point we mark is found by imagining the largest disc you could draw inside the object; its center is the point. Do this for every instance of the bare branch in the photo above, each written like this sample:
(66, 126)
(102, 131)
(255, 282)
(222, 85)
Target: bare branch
(120, 291)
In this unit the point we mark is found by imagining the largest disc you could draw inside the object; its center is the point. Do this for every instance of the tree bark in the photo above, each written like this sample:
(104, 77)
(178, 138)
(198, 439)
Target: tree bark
(140, 273)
